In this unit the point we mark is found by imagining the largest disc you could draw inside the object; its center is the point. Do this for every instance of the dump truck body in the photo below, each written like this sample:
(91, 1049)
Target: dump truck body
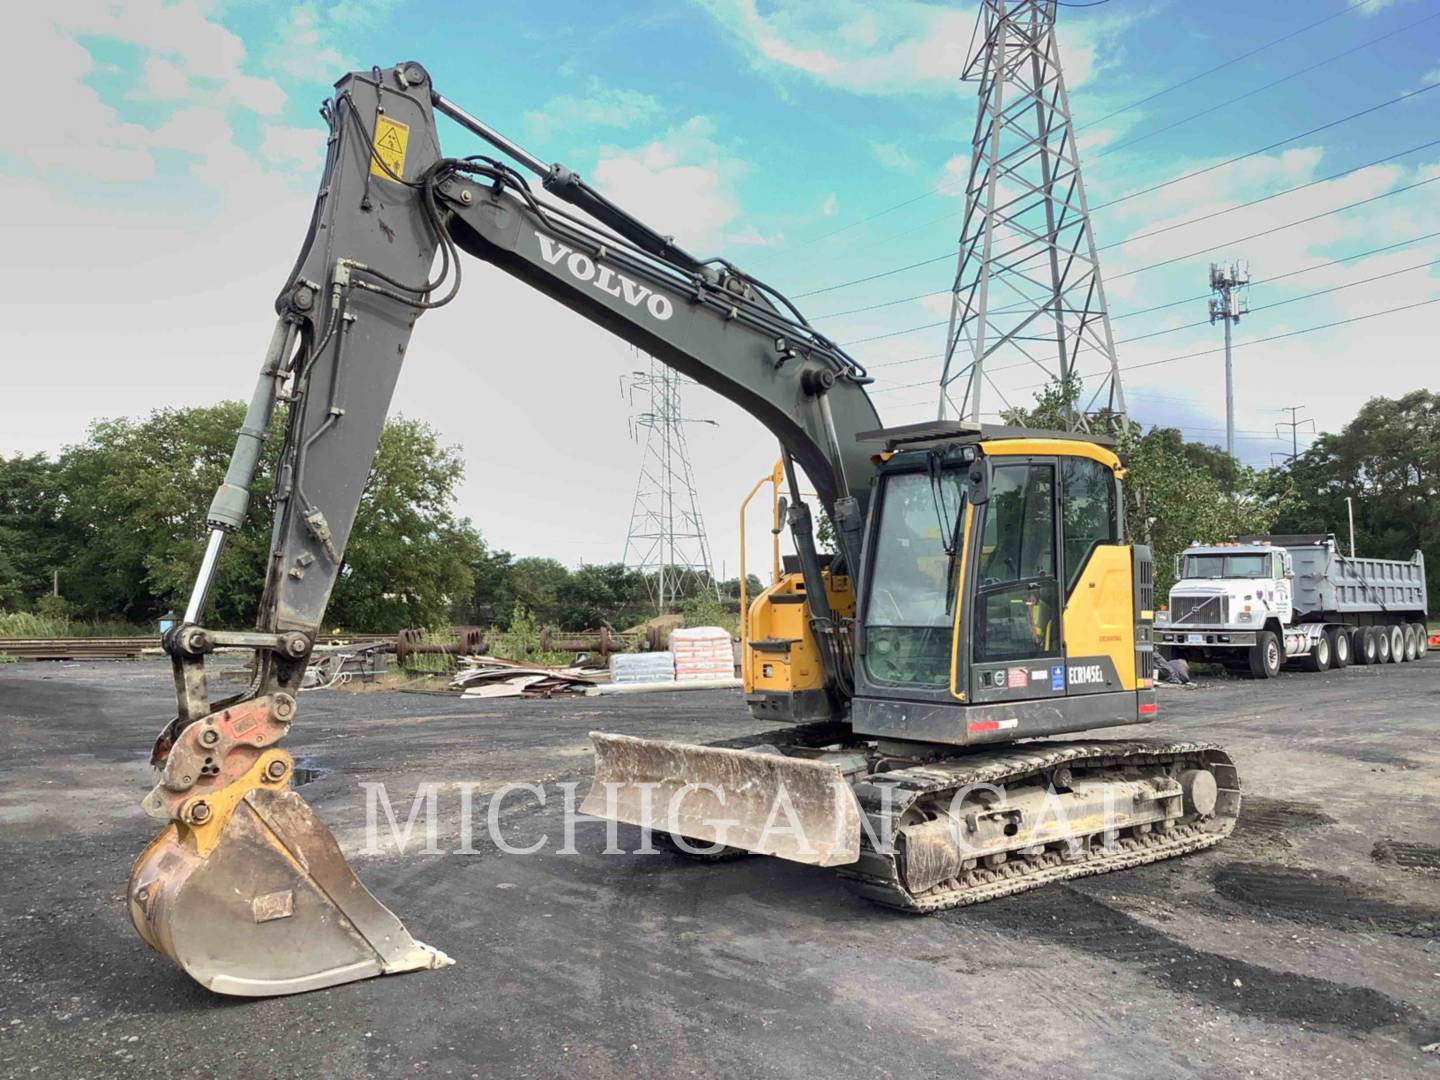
(1260, 599)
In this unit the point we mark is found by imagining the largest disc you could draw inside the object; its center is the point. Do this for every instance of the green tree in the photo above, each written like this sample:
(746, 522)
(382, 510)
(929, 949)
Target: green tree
(601, 595)
(33, 542)
(1176, 492)
(1387, 460)
(535, 584)
(136, 494)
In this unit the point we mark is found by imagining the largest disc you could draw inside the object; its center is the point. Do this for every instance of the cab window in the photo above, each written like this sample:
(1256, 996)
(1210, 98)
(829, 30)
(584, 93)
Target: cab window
(907, 621)
(1089, 513)
(1017, 615)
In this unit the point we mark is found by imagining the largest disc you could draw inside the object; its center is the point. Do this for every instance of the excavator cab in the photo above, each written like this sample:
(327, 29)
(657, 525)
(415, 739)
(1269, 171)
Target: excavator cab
(1000, 590)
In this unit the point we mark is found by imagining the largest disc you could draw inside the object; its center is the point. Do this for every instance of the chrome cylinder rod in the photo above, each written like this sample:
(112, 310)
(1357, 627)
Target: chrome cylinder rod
(490, 135)
(213, 547)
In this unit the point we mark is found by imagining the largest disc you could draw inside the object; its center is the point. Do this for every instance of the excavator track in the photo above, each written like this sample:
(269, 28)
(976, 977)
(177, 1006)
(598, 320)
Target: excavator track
(880, 876)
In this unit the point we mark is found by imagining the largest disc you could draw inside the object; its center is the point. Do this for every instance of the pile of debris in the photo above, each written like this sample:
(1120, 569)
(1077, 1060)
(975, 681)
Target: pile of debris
(491, 677)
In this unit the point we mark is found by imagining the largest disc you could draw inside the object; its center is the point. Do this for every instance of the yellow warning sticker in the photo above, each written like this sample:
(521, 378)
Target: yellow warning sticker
(391, 138)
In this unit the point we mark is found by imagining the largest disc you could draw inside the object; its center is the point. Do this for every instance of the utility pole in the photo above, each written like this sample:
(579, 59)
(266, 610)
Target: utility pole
(1295, 423)
(1230, 285)
(1027, 290)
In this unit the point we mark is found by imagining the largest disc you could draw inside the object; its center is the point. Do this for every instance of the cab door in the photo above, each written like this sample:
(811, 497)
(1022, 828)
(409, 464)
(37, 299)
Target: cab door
(1098, 578)
(1017, 637)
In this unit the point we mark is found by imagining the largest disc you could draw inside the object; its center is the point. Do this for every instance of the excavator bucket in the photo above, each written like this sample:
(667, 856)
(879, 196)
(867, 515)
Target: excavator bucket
(255, 898)
(755, 800)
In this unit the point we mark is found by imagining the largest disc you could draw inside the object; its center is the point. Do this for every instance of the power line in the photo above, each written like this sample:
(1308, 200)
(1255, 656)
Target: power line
(1158, 187)
(1124, 108)
(1140, 311)
(1278, 337)
(1224, 64)
(1206, 352)
(1406, 96)
(1138, 236)
(1277, 228)
(1153, 333)
(1116, 147)
(1288, 274)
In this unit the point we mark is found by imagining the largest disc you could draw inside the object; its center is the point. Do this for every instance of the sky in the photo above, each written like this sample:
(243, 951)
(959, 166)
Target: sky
(158, 184)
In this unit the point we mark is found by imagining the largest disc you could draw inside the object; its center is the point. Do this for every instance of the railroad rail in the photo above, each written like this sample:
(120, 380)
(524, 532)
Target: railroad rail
(124, 648)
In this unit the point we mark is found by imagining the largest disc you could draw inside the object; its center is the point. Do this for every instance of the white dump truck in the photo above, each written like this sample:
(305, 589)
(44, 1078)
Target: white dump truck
(1259, 601)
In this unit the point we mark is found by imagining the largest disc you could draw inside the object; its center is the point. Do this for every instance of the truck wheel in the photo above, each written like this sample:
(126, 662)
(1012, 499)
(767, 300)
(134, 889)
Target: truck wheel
(1318, 658)
(1265, 656)
(1410, 647)
(1362, 645)
(1382, 644)
(1339, 648)
(1397, 644)
(1422, 640)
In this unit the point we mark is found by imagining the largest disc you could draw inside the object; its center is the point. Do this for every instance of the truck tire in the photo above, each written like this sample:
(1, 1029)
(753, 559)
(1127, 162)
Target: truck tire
(1362, 645)
(1397, 644)
(1422, 640)
(1318, 658)
(1410, 648)
(1382, 644)
(1339, 647)
(1265, 656)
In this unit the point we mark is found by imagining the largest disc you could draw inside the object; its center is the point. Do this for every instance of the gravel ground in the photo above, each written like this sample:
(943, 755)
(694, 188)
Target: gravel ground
(1307, 943)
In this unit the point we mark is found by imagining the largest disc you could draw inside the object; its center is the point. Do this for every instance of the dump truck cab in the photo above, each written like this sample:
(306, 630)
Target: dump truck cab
(999, 596)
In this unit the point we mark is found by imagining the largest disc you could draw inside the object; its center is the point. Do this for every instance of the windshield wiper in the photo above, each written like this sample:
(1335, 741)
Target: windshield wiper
(937, 493)
(949, 531)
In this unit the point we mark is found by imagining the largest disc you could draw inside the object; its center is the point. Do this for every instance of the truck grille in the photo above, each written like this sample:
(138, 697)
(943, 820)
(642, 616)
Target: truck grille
(1200, 610)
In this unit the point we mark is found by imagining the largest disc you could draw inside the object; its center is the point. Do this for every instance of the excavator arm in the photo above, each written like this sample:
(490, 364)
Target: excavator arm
(245, 888)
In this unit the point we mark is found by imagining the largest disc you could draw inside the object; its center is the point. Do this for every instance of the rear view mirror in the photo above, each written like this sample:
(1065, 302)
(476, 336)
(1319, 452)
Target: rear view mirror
(782, 507)
(978, 489)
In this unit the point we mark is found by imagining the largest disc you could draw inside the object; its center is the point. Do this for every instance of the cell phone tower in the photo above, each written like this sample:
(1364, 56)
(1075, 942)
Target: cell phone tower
(666, 541)
(1028, 298)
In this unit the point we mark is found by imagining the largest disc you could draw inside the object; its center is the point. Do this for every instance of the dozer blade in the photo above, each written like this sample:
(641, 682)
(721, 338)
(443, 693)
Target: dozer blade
(257, 899)
(793, 808)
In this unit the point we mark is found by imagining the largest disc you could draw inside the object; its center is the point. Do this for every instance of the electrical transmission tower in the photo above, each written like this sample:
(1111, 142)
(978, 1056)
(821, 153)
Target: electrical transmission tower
(666, 541)
(1027, 290)
(1295, 423)
(1230, 284)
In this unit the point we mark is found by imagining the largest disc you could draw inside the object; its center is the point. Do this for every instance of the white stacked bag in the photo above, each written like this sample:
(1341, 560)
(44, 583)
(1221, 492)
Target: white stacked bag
(643, 667)
(702, 652)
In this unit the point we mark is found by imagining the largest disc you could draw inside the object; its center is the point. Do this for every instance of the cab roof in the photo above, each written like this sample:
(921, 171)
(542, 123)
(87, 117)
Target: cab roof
(994, 440)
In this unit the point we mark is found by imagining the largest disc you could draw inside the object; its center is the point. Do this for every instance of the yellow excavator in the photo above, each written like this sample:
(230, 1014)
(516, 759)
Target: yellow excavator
(981, 599)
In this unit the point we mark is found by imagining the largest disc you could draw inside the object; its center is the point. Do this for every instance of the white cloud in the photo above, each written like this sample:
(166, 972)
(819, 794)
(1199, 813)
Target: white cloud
(892, 156)
(750, 236)
(285, 146)
(75, 131)
(600, 106)
(831, 205)
(301, 50)
(954, 176)
(684, 181)
(163, 80)
(914, 47)
(908, 46)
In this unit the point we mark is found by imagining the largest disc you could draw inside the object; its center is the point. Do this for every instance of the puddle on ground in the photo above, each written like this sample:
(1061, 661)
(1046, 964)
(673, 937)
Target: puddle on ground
(1322, 899)
(1065, 916)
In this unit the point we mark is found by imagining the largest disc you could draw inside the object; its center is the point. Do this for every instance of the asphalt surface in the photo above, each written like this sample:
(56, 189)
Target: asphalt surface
(1307, 943)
